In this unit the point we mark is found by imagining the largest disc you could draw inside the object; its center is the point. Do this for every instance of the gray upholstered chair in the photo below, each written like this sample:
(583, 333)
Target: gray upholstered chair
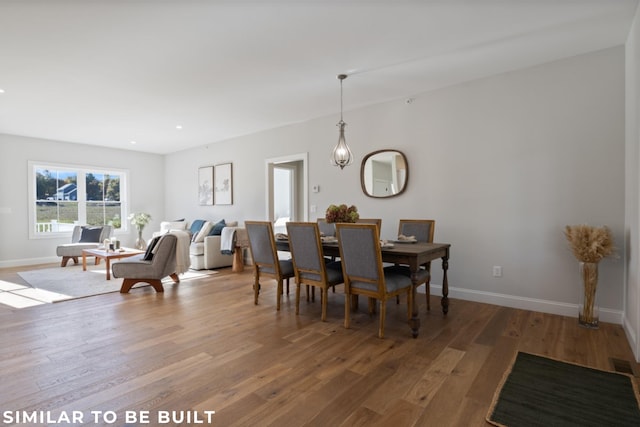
(83, 237)
(158, 262)
(363, 271)
(262, 246)
(326, 228)
(422, 230)
(309, 265)
(376, 221)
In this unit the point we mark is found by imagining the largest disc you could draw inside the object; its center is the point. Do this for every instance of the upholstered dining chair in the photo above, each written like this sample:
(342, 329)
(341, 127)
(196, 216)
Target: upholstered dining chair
(363, 271)
(422, 230)
(158, 262)
(262, 246)
(376, 221)
(309, 265)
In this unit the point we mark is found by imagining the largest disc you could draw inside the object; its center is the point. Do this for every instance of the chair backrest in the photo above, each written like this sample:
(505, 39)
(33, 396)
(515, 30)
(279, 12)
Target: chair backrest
(306, 250)
(361, 256)
(326, 228)
(164, 257)
(422, 229)
(262, 245)
(105, 233)
(376, 221)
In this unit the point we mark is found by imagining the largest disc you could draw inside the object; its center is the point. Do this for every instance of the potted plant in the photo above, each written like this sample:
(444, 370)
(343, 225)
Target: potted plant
(140, 219)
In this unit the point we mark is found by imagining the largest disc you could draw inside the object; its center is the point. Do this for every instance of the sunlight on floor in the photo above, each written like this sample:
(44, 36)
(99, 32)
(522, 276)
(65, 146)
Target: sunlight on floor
(20, 296)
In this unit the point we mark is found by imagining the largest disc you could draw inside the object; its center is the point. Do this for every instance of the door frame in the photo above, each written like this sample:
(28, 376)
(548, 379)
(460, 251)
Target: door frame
(303, 182)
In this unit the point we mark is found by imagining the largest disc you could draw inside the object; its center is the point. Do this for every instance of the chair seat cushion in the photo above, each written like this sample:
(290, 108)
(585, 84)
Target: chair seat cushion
(334, 274)
(423, 274)
(286, 268)
(74, 249)
(394, 281)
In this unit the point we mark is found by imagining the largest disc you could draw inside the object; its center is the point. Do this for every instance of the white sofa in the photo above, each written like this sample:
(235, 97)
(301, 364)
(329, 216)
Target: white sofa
(205, 250)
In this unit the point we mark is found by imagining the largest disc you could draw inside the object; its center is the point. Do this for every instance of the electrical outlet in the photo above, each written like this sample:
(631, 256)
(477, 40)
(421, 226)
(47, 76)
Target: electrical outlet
(497, 271)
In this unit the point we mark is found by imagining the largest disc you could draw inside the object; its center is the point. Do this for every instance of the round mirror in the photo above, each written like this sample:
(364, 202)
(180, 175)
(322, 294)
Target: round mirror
(384, 173)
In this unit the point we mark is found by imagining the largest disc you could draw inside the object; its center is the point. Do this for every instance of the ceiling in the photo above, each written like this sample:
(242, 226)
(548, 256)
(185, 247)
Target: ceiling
(111, 72)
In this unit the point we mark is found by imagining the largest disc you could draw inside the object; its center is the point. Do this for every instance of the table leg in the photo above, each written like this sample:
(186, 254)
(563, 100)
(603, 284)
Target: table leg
(84, 261)
(445, 284)
(414, 323)
(108, 262)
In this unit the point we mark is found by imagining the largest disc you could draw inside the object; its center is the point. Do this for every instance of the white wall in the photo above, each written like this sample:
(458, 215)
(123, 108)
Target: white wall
(502, 164)
(632, 180)
(146, 173)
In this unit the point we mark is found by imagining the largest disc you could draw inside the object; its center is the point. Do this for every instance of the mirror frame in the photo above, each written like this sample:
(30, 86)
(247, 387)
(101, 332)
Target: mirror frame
(373, 153)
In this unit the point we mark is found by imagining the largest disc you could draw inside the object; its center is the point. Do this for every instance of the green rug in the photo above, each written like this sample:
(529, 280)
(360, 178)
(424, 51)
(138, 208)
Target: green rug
(538, 391)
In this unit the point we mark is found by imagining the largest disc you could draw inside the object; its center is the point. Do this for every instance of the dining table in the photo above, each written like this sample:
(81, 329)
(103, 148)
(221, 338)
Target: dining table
(411, 254)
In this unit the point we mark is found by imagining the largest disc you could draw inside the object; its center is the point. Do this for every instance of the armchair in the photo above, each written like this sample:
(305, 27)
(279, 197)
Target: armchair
(157, 263)
(83, 237)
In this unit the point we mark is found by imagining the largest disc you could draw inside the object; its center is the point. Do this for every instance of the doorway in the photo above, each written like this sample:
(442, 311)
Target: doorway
(287, 195)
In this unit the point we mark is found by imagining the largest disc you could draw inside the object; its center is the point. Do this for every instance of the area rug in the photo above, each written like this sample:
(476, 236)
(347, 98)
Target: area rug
(538, 391)
(72, 282)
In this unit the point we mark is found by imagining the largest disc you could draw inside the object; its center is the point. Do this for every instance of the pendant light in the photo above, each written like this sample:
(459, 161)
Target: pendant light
(341, 154)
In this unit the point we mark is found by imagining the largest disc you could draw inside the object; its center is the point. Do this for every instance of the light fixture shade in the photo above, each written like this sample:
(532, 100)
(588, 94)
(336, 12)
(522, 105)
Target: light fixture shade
(341, 154)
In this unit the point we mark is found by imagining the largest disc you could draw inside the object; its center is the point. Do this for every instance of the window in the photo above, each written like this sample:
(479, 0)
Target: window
(63, 196)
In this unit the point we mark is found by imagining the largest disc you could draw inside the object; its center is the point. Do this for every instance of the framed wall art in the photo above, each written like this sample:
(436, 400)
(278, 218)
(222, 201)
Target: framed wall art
(205, 186)
(223, 184)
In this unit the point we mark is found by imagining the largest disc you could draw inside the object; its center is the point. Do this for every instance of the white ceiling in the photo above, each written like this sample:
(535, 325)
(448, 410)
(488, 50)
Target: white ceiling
(111, 72)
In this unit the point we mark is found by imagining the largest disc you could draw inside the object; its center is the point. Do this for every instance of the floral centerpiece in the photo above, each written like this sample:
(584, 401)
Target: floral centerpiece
(342, 213)
(140, 219)
(589, 245)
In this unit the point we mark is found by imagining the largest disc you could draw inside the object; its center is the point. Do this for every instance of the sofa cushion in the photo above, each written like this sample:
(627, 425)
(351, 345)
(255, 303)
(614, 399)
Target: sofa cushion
(217, 228)
(204, 232)
(196, 226)
(196, 249)
(90, 234)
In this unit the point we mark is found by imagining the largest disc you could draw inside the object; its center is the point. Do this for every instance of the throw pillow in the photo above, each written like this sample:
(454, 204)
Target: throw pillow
(172, 225)
(217, 228)
(204, 232)
(90, 234)
(148, 255)
(196, 226)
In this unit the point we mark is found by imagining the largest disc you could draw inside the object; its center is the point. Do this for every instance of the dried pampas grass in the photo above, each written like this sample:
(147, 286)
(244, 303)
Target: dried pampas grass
(588, 243)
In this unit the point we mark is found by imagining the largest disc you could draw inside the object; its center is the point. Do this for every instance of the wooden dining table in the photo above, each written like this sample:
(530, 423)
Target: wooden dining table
(412, 255)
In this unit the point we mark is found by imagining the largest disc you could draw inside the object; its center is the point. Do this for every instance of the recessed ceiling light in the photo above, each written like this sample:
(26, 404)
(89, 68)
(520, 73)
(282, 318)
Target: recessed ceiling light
(133, 142)
(1, 90)
(178, 127)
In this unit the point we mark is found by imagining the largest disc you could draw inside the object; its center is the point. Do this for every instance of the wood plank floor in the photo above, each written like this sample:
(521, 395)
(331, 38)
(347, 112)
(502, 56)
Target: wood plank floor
(204, 346)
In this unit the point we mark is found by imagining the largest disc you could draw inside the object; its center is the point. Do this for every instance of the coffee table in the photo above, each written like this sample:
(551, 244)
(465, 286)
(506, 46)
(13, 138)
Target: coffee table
(107, 256)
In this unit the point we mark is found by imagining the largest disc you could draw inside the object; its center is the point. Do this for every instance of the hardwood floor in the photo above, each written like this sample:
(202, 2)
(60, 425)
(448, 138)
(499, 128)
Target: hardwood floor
(204, 346)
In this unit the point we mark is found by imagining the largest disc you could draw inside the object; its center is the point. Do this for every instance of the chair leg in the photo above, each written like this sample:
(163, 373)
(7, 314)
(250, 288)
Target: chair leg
(347, 310)
(175, 278)
(127, 284)
(298, 298)
(410, 304)
(325, 296)
(279, 295)
(383, 314)
(256, 289)
(287, 286)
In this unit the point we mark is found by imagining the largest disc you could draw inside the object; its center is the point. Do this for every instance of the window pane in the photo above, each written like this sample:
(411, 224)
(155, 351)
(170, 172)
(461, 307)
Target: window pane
(56, 195)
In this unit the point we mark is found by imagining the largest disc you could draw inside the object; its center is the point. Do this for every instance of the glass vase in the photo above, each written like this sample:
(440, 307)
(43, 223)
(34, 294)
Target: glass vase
(588, 307)
(141, 244)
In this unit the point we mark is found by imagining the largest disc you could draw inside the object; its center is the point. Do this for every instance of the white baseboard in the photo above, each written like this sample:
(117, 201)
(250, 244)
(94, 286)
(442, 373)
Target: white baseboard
(533, 304)
(29, 261)
(632, 337)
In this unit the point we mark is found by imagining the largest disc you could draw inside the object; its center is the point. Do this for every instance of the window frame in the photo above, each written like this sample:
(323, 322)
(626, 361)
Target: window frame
(82, 171)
